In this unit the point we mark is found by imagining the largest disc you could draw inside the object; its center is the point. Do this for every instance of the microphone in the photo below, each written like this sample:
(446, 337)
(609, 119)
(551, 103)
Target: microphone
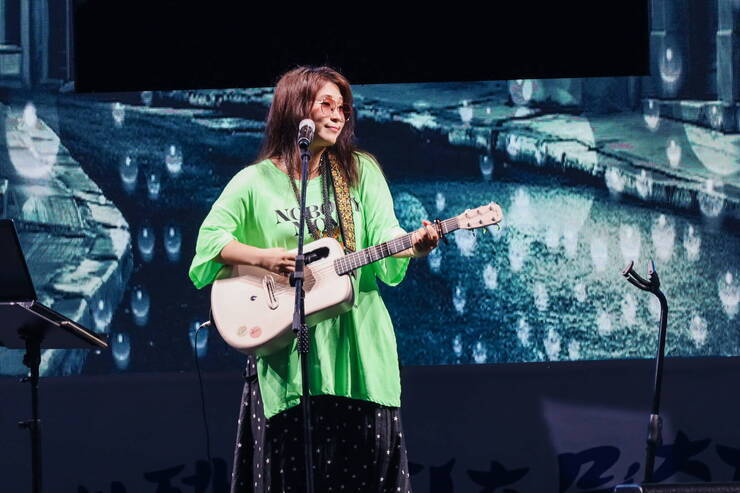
(305, 133)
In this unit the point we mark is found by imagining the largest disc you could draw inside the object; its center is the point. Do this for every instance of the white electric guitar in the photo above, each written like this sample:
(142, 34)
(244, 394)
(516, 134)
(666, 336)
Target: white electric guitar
(253, 307)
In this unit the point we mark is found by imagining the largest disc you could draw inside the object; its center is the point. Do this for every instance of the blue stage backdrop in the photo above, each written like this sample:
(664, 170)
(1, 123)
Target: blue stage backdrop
(108, 192)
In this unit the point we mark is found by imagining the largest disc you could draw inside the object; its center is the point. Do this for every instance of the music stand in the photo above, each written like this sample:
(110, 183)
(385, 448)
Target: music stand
(32, 326)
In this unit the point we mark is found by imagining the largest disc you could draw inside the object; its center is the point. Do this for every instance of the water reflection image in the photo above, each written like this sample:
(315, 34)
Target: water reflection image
(541, 298)
(457, 346)
(604, 325)
(599, 252)
(615, 181)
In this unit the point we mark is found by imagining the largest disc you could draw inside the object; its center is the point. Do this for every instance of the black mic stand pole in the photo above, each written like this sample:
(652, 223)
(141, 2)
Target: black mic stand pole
(300, 329)
(655, 426)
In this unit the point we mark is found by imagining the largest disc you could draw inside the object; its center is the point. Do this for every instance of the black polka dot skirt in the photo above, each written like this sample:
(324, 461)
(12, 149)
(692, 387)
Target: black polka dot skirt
(358, 446)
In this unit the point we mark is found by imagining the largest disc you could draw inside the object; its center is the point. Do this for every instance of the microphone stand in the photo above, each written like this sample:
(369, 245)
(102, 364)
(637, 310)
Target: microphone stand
(300, 329)
(655, 425)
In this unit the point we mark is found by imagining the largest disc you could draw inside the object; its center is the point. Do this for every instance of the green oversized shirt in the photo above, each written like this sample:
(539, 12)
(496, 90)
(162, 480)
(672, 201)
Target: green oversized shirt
(353, 355)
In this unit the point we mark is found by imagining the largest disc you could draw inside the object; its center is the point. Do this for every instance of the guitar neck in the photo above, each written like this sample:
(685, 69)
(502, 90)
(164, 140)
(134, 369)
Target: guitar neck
(372, 254)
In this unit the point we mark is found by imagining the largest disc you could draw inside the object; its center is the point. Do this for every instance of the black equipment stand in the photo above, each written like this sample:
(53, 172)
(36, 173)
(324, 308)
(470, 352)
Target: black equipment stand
(28, 324)
(26, 328)
(655, 425)
(300, 329)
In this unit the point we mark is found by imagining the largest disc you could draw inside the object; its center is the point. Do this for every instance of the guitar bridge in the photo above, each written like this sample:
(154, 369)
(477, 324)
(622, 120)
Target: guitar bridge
(268, 284)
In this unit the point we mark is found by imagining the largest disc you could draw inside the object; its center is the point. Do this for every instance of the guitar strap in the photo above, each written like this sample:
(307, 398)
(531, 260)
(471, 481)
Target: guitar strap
(344, 204)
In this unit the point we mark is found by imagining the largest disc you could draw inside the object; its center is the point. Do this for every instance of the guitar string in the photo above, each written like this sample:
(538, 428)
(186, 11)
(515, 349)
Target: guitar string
(348, 261)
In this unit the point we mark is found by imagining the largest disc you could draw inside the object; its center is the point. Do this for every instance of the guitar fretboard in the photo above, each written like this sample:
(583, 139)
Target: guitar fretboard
(372, 254)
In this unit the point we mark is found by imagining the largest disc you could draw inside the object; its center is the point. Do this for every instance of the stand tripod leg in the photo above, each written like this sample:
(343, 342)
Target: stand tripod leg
(32, 359)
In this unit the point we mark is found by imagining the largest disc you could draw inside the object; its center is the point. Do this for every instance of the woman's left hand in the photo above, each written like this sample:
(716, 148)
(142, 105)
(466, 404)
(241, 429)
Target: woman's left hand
(424, 239)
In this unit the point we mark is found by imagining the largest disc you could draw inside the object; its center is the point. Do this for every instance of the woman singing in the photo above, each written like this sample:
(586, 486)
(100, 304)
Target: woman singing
(355, 386)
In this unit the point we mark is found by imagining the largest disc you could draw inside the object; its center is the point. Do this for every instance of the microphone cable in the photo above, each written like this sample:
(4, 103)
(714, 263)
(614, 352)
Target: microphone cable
(202, 393)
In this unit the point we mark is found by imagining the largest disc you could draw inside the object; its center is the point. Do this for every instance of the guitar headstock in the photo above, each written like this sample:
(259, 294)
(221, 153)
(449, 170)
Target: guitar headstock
(484, 215)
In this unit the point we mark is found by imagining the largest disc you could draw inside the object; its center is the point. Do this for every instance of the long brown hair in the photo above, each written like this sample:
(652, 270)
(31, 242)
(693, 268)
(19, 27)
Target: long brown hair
(294, 96)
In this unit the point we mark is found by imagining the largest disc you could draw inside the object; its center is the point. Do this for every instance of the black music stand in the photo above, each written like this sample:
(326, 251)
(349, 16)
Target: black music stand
(29, 325)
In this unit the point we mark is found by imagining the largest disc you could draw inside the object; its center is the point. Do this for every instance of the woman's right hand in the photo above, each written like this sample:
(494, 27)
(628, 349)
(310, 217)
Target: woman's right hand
(277, 260)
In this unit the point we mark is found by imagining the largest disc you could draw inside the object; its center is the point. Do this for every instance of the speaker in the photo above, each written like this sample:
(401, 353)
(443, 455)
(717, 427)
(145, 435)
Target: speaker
(679, 488)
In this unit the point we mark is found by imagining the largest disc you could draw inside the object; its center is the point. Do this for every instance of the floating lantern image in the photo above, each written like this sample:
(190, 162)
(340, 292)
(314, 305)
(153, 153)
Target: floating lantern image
(521, 91)
(670, 65)
(153, 185)
(604, 323)
(465, 241)
(518, 252)
(523, 331)
(140, 304)
(644, 185)
(102, 315)
(490, 277)
(457, 345)
(121, 350)
(146, 242)
(599, 252)
(614, 181)
(129, 171)
(663, 234)
(118, 111)
(574, 350)
(629, 242)
(692, 244)
(552, 345)
(466, 113)
(435, 260)
(480, 354)
(698, 330)
(146, 97)
(541, 298)
(32, 145)
(458, 299)
(673, 152)
(629, 309)
(485, 162)
(728, 290)
(579, 291)
(711, 203)
(439, 201)
(651, 114)
(172, 242)
(173, 160)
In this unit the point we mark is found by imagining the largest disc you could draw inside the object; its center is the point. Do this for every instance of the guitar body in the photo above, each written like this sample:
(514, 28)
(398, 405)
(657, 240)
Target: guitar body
(252, 308)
